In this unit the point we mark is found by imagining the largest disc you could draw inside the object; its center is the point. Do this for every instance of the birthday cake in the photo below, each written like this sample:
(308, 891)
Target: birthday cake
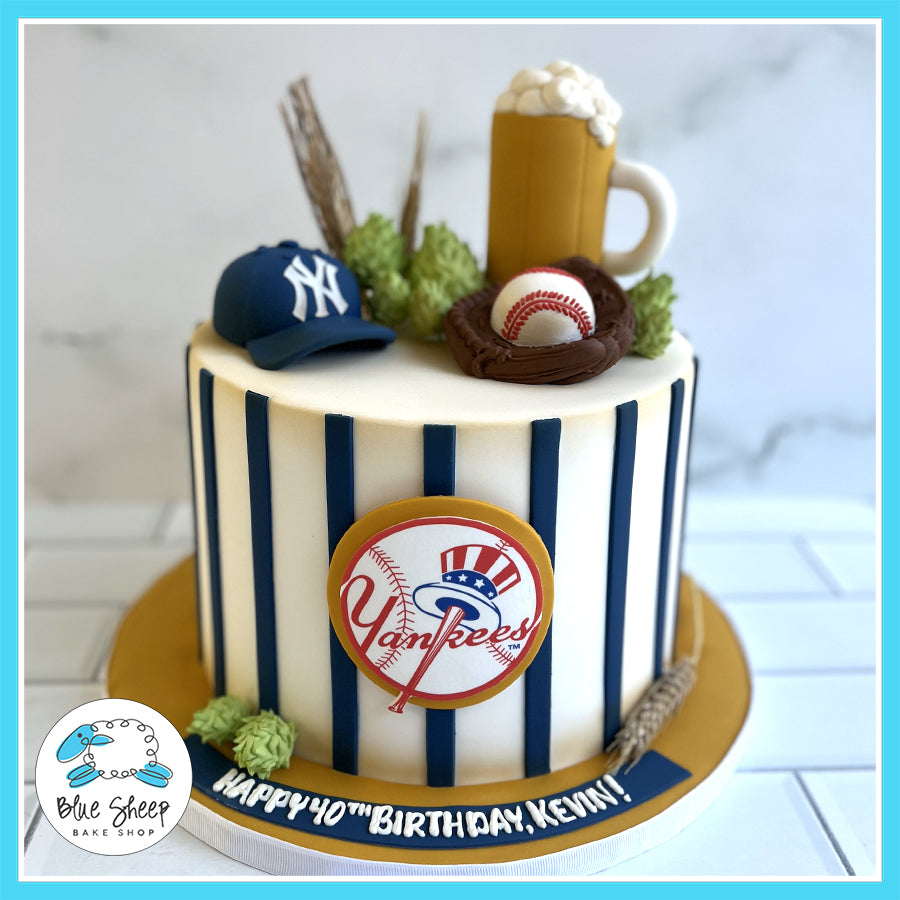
(435, 578)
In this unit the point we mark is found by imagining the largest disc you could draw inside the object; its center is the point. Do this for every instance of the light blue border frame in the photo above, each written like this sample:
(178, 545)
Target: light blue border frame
(10, 12)
(890, 408)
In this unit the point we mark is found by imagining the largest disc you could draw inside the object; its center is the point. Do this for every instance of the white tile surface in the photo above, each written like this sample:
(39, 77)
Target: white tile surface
(758, 816)
(91, 522)
(767, 515)
(811, 720)
(45, 705)
(118, 574)
(851, 563)
(846, 800)
(793, 635)
(728, 567)
(67, 644)
(29, 800)
(178, 525)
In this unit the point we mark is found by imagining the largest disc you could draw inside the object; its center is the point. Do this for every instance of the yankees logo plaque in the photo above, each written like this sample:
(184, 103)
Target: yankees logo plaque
(441, 601)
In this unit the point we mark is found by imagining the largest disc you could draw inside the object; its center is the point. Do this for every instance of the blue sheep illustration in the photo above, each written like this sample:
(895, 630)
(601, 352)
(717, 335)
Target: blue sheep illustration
(119, 748)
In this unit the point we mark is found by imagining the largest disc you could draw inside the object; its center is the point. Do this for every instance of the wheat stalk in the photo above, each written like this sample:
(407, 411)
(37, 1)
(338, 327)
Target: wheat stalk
(660, 702)
(410, 212)
(318, 165)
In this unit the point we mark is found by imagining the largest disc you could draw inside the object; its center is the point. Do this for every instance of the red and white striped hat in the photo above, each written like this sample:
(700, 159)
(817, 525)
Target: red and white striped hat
(486, 569)
(472, 577)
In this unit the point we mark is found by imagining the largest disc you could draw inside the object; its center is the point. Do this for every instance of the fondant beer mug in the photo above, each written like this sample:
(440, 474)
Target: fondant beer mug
(552, 166)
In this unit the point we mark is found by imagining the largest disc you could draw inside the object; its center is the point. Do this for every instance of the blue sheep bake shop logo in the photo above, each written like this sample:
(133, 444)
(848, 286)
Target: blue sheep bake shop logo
(441, 601)
(115, 748)
(113, 776)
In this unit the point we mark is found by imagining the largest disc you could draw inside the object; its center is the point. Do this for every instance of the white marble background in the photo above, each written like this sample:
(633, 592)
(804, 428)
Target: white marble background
(154, 154)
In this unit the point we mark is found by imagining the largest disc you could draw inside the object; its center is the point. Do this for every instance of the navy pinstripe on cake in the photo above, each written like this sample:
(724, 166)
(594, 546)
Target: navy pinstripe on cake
(339, 491)
(544, 489)
(617, 574)
(675, 412)
(210, 484)
(196, 507)
(439, 443)
(688, 446)
(257, 417)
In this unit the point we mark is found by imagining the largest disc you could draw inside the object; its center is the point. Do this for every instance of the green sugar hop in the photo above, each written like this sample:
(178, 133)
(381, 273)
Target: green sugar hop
(219, 719)
(390, 299)
(427, 304)
(264, 743)
(652, 300)
(416, 291)
(372, 249)
(442, 270)
(446, 261)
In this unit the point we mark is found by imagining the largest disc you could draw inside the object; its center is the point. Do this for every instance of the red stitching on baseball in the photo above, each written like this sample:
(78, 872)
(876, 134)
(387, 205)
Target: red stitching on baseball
(405, 609)
(552, 271)
(504, 657)
(525, 307)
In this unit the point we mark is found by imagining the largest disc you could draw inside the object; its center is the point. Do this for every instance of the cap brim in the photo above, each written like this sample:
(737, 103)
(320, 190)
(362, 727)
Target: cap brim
(444, 590)
(274, 351)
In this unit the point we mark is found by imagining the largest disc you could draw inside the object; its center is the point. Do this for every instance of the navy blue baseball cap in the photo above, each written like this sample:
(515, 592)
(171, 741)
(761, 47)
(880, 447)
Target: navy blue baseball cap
(284, 303)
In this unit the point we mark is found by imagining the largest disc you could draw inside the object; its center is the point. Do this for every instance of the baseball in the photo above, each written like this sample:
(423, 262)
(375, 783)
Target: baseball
(543, 307)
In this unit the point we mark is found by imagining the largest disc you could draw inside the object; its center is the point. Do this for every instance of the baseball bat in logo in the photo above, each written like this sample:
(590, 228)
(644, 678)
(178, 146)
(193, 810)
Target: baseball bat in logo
(442, 601)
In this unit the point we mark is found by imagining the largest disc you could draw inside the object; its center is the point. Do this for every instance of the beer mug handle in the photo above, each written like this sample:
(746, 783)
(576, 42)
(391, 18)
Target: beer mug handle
(660, 199)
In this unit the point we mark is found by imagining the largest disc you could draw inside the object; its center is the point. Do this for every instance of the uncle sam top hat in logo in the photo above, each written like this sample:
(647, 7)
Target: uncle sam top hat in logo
(473, 576)
(284, 303)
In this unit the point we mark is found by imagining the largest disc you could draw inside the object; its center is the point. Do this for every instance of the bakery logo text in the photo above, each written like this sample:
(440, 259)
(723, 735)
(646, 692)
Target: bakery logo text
(101, 779)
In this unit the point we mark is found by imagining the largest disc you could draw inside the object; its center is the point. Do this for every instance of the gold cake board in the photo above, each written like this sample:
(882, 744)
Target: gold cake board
(154, 661)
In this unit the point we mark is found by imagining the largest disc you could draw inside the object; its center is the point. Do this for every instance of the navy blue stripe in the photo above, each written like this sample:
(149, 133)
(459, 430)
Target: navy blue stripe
(687, 467)
(339, 495)
(439, 443)
(676, 408)
(256, 408)
(440, 460)
(544, 492)
(617, 565)
(440, 747)
(190, 419)
(210, 484)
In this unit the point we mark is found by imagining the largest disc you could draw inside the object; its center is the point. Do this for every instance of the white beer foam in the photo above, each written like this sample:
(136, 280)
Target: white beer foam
(563, 89)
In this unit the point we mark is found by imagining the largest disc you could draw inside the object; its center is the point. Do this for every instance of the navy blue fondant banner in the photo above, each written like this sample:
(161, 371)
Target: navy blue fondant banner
(435, 827)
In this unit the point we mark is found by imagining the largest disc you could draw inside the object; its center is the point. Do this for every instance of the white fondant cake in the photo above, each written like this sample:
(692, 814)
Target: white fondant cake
(285, 461)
